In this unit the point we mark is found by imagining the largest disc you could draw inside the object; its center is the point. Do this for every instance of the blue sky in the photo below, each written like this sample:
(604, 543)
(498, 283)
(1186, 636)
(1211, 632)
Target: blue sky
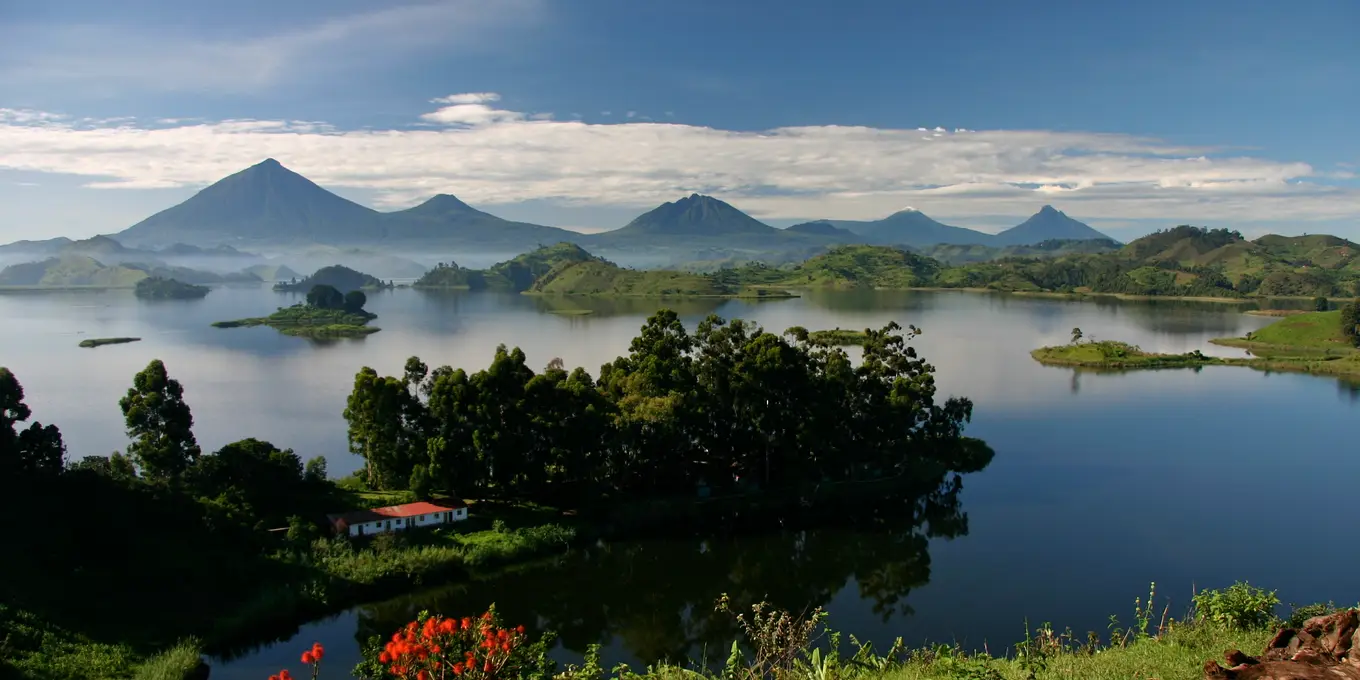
(1131, 116)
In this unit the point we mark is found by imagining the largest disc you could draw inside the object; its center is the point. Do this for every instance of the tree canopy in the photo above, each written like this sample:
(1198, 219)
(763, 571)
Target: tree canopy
(159, 423)
(37, 448)
(728, 407)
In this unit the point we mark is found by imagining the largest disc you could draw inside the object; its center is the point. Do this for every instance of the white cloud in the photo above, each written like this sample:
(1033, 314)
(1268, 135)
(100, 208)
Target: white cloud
(106, 58)
(489, 156)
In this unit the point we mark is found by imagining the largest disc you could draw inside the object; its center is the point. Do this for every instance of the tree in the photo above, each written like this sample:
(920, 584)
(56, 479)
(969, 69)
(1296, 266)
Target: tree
(355, 301)
(1350, 322)
(1076, 335)
(159, 423)
(323, 296)
(36, 449)
(420, 482)
(1320, 304)
(316, 470)
(385, 427)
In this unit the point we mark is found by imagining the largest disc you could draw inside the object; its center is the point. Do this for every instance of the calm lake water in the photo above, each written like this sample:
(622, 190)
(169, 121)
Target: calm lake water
(1101, 482)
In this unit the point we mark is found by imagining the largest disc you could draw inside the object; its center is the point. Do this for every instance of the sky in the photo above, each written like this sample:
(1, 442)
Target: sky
(1130, 116)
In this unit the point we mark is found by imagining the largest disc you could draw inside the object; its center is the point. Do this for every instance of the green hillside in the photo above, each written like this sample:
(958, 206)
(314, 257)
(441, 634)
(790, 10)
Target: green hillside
(604, 278)
(157, 288)
(517, 274)
(955, 254)
(70, 270)
(842, 267)
(1183, 261)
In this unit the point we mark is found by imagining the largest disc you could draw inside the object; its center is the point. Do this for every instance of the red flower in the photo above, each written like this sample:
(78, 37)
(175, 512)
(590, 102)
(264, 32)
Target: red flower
(467, 623)
(486, 668)
(519, 629)
(384, 657)
(273, 677)
(318, 651)
(307, 658)
(458, 669)
(285, 675)
(423, 675)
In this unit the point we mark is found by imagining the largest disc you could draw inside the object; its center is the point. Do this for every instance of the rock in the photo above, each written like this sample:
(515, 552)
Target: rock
(1325, 648)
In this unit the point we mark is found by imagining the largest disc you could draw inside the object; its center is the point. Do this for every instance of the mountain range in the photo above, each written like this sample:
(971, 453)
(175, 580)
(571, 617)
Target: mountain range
(269, 207)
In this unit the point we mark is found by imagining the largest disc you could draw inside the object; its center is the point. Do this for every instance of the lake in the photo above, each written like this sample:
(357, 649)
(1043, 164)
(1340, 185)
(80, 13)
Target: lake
(1101, 482)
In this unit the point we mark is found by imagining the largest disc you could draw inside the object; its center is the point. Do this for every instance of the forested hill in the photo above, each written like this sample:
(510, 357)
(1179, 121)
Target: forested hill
(1185, 260)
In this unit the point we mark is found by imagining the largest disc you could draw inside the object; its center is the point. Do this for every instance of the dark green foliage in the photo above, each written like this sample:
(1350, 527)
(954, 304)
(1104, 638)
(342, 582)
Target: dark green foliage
(36, 449)
(159, 423)
(1240, 605)
(257, 473)
(728, 407)
(157, 288)
(355, 301)
(323, 296)
(1320, 304)
(316, 469)
(1350, 321)
(336, 276)
(419, 483)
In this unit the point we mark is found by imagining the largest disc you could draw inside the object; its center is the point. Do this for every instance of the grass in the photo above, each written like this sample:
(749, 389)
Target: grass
(34, 648)
(1301, 343)
(176, 663)
(1115, 354)
(839, 337)
(311, 322)
(97, 342)
(1179, 654)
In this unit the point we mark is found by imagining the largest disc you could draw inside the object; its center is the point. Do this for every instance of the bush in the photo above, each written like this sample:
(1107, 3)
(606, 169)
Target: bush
(1240, 605)
(1320, 304)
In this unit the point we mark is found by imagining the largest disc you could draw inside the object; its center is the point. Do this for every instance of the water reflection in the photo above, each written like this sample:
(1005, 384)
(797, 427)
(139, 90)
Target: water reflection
(656, 597)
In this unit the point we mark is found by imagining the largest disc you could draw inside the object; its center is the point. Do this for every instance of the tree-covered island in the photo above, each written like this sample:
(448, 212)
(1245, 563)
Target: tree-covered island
(158, 288)
(336, 276)
(327, 313)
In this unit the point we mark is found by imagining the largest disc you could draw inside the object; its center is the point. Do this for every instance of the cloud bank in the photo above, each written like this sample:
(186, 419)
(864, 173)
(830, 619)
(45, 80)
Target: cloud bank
(469, 146)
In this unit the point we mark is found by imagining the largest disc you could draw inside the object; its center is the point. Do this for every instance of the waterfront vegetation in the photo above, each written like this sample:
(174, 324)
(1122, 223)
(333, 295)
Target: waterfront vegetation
(159, 288)
(338, 277)
(99, 342)
(326, 314)
(1326, 343)
(769, 642)
(838, 337)
(555, 458)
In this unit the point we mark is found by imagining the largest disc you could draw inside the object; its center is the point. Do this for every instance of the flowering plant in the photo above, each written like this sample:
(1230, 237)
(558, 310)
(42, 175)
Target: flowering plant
(440, 648)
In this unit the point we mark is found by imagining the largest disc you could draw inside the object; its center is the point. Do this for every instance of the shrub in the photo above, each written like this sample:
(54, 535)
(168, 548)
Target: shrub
(1240, 605)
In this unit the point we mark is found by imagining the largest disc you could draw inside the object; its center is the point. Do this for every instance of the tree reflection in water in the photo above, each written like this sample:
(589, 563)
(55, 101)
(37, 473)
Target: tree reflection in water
(656, 597)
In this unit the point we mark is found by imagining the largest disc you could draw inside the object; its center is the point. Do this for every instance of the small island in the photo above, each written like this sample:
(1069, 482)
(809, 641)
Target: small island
(158, 288)
(98, 342)
(1324, 343)
(838, 337)
(335, 276)
(326, 314)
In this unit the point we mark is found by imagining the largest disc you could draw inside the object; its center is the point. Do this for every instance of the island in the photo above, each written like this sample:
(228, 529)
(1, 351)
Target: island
(158, 288)
(327, 313)
(99, 342)
(1323, 343)
(336, 276)
(838, 337)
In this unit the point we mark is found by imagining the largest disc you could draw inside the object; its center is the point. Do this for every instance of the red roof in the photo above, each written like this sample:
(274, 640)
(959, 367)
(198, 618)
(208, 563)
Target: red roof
(394, 512)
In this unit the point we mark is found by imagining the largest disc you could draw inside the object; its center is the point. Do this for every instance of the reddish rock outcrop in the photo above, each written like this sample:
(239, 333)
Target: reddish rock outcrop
(1325, 648)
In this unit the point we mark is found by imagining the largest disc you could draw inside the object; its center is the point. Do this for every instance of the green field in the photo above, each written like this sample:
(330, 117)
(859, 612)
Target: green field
(838, 337)
(1116, 355)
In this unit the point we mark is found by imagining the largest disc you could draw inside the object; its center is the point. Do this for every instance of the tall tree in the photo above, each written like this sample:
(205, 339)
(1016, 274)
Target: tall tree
(159, 423)
(36, 448)
(385, 421)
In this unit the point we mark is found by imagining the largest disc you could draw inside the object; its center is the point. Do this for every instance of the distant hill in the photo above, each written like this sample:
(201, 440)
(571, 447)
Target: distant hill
(70, 270)
(336, 276)
(265, 203)
(517, 274)
(83, 270)
(823, 228)
(695, 221)
(1046, 225)
(445, 219)
(272, 272)
(912, 227)
(964, 254)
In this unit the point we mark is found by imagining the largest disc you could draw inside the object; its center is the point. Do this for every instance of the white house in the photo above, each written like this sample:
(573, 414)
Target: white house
(397, 518)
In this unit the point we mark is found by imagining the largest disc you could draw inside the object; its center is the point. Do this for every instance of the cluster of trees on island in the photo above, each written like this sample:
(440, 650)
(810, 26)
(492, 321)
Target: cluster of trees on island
(726, 407)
